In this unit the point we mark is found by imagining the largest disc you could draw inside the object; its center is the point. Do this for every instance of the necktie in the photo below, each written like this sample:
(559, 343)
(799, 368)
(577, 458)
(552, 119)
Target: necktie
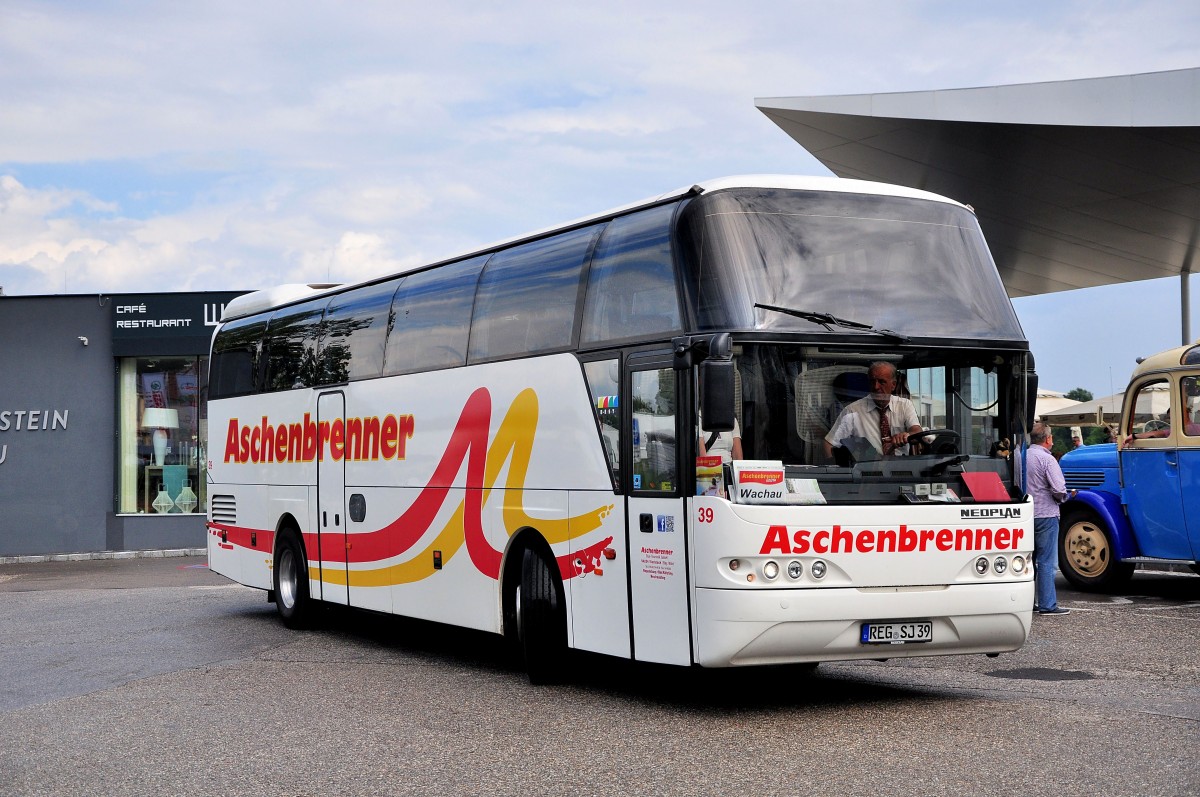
(885, 431)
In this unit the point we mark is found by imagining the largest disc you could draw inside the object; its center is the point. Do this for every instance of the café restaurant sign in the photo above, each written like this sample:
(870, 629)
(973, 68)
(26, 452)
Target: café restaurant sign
(159, 324)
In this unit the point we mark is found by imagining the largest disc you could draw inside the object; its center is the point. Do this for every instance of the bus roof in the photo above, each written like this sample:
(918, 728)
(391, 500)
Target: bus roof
(280, 295)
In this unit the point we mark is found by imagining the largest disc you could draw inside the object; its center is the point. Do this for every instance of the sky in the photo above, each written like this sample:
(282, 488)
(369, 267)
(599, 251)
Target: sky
(150, 146)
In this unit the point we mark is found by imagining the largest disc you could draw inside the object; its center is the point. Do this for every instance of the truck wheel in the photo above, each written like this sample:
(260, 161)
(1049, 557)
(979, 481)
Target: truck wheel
(541, 619)
(291, 582)
(1085, 553)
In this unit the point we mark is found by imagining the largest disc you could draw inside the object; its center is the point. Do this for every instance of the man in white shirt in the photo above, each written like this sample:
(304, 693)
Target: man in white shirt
(880, 419)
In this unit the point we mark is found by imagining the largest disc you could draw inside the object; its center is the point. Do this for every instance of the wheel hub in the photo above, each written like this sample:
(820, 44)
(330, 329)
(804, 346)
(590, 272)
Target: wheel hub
(1087, 549)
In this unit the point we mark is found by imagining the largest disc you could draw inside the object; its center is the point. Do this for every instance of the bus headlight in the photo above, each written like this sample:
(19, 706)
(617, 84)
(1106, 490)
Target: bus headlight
(1018, 564)
(795, 570)
(771, 571)
(817, 569)
(1000, 565)
(981, 566)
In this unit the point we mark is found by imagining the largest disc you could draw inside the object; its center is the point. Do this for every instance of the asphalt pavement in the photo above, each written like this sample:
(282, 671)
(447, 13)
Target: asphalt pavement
(158, 677)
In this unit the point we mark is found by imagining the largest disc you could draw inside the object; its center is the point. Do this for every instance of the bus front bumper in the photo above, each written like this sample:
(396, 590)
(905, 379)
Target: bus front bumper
(781, 626)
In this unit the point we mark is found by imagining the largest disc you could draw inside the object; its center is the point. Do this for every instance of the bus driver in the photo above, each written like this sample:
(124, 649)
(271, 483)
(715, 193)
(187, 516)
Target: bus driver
(882, 420)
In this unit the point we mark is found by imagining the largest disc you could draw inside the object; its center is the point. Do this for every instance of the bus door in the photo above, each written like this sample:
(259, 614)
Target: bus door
(331, 509)
(656, 516)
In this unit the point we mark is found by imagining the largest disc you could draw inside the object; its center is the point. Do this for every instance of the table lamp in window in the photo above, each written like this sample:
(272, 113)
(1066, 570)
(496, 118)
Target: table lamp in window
(160, 420)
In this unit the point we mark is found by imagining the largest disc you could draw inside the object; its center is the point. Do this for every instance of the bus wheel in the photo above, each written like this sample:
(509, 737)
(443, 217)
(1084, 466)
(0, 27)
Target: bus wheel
(541, 619)
(291, 581)
(1085, 553)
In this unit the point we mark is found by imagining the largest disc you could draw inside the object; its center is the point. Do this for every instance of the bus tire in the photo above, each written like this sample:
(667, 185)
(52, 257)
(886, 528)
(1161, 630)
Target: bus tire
(1086, 554)
(290, 574)
(541, 619)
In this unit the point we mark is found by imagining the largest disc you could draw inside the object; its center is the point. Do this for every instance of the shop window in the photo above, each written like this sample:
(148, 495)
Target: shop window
(160, 457)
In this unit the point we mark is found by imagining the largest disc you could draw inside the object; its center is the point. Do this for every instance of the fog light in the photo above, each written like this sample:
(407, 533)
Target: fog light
(817, 569)
(734, 564)
(1000, 565)
(771, 571)
(795, 570)
(1018, 564)
(981, 566)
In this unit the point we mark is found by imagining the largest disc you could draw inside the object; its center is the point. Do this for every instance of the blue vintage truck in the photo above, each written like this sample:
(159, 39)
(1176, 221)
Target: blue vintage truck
(1139, 499)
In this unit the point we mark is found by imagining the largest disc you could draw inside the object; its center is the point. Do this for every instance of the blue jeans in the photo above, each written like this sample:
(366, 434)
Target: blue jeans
(1045, 555)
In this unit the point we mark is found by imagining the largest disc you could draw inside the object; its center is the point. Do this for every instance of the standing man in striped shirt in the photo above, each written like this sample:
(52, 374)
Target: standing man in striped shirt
(1044, 480)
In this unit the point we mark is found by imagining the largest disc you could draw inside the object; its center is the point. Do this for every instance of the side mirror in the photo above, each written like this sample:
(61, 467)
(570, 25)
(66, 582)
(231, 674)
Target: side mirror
(716, 391)
(1031, 389)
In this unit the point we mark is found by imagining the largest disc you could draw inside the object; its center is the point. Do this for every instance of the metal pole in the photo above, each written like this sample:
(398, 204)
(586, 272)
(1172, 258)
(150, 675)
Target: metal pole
(1185, 308)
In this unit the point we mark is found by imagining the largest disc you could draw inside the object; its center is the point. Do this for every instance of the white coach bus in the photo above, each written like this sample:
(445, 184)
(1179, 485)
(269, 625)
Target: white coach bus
(511, 440)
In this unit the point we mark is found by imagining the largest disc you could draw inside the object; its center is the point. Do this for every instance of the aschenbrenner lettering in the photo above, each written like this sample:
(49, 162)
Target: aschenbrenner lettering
(895, 540)
(353, 439)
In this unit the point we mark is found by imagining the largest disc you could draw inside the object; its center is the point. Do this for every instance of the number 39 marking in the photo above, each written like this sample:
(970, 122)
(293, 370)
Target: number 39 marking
(706, 515)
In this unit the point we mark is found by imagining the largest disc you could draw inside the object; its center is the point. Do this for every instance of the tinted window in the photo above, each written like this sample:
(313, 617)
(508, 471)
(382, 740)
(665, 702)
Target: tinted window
(603, 380)
(234, 369)
(527, 297)
(915, 266)
(431, 318)
(355, 332)
(654, 463)
(631, 281)
(292, 346)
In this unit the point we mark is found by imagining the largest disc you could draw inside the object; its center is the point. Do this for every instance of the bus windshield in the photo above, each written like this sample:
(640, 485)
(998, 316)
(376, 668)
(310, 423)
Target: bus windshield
(790, 399)
(915, 267)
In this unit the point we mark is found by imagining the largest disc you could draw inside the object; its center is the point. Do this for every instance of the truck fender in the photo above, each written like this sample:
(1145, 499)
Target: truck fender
(1111, 513)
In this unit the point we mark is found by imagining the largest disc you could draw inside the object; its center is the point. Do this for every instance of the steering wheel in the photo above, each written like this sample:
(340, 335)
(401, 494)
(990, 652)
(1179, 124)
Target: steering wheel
(944, 441)
(1155, 425)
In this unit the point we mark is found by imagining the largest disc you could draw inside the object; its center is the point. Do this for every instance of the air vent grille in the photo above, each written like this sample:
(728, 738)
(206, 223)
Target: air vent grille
(1082, 480)
(224, 509)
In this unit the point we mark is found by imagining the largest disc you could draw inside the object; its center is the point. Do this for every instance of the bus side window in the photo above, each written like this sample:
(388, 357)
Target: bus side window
(631, 283)
(430, 318)
(236, 357)
(654, 407)
(352, 342)
(603, 385)
(527, 297)
(292, 346)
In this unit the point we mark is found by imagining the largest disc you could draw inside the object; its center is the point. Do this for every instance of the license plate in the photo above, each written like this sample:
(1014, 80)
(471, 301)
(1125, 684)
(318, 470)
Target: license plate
(896, 633)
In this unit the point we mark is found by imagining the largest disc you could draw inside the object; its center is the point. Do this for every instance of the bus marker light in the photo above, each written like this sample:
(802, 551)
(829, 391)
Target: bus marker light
(771, 570)
(1000, 565)
(610, 554)
(750, 577)
(817, 569)
(981, 566)
(598, 571)
(795, 570)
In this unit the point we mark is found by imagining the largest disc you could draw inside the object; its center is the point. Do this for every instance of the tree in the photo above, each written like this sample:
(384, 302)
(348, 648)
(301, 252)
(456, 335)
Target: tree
(1079, 394)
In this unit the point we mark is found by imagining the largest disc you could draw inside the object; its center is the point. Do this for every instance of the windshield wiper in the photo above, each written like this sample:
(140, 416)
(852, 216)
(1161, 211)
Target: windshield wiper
(830, 321)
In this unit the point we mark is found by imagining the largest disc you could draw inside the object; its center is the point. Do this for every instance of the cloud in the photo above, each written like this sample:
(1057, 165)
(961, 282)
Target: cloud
(244, 145)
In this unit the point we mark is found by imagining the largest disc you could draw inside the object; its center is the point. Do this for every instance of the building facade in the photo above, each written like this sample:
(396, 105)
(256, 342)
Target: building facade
(102, 421)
